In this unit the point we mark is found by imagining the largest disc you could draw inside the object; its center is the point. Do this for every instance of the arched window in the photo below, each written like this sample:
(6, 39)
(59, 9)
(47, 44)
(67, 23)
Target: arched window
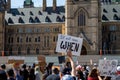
(37, 51)
(112, 28)
(38, 38)
(19, 51)
(11, 39)
(81, 18)
(10, 51)
(18, 39)
(26, 39)
(83, 51)
(28, 50)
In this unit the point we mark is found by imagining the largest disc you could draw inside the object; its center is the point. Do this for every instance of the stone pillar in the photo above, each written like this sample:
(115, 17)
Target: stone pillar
(8, 4)
(54, 5)
(44, 5)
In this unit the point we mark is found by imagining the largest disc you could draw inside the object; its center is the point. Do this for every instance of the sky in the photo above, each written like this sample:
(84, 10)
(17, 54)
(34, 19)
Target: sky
(37, 3)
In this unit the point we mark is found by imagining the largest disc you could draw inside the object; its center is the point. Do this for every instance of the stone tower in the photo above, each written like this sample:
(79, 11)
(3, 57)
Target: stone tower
(8, 5)
(2, 26)
(28, 4)
(3, 6)
(44, 5)
(54, 5)
(82, 21)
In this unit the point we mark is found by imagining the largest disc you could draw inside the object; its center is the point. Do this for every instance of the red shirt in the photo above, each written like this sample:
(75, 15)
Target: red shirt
(93, 78)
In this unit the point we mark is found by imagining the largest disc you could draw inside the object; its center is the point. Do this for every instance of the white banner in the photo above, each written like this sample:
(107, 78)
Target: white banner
(108, 67)
(16, 57)
(66, 42)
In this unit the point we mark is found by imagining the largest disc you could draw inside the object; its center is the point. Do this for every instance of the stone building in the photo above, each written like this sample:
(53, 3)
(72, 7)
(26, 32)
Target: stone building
(82, 20)
(33, 30)
(111, 28)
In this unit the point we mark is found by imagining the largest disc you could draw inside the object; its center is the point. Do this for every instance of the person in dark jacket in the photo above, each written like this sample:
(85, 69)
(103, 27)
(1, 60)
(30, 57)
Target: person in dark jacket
(54, 75)
(25, 72)
(3, 75)
(11, 75)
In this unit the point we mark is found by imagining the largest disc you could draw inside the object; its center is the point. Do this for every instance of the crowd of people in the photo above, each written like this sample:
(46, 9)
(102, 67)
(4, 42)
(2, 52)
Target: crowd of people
(66, 72)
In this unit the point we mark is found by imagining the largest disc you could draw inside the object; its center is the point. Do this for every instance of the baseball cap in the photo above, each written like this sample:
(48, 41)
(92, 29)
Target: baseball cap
(118, 69)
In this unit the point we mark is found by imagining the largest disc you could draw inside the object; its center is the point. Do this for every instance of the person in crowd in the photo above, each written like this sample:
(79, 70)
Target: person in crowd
(94, 74)
(54, 75)
(107, 78)
(85, 72)
(25, 72)
(32, 74)
(3, 75)
(68, 74)
(29, 68)
(118, 73)
(79, 75)
(17, 71)
(48, 71)
(37, 73)
(11, 75)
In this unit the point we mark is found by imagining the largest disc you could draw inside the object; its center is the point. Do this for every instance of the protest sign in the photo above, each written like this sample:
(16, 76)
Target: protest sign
(107, 67)
(66, 42)
(16, 59)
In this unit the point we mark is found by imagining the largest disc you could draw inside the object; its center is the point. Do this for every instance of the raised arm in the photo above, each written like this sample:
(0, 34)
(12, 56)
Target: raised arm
(69, 54)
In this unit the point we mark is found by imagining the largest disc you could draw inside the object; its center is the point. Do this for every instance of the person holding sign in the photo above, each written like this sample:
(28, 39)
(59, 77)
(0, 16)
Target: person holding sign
(118, 73)
(68, 74)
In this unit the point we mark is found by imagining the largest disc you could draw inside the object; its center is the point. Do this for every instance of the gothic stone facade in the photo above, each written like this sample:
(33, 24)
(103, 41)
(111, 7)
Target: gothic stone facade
(82, 21)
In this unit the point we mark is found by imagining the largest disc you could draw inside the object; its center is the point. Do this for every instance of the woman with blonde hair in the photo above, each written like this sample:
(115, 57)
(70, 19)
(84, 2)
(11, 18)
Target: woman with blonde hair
(94, 75)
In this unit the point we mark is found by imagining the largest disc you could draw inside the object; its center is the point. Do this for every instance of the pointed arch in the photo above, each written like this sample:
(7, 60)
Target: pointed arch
(81, 15)
(28, 50)
(81, 18)
(37, 51)
(85, 48)
(79, 9)
(83, 51)
(10, 51)
(19, 50)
